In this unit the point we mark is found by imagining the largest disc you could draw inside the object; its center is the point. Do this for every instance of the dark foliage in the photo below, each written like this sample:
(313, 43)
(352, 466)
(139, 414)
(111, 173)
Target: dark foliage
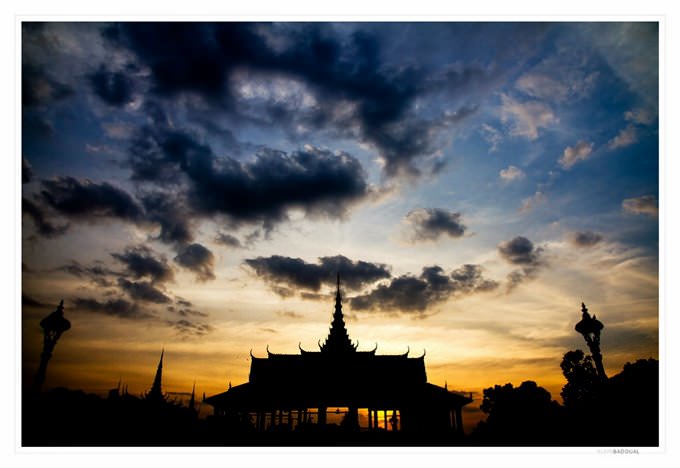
(525, 415)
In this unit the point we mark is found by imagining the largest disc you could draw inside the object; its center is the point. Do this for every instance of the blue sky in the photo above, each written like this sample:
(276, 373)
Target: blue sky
(197, 186)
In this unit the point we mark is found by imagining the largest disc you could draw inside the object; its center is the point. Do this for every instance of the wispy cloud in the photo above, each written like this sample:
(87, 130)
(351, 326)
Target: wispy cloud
(626, 137)
(644, 205)
(511, 173)
(526, 118)
(574, 154)
(532, 202)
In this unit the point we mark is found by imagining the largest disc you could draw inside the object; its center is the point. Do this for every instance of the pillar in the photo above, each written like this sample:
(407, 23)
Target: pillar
(370, 419)
(322, 415)
(459, 420)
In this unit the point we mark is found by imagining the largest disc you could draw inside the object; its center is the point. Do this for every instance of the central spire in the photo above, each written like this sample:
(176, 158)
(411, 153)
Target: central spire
(338, 339)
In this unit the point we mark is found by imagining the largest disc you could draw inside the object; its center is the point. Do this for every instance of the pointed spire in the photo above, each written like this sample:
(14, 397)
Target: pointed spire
(192, 401)
(338, 338)
(156, 392)
(446, 385)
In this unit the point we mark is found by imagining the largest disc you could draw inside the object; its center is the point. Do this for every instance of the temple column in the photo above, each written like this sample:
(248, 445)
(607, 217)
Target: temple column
(375, 419)
(322, 415)
(370, 420)
(385, 419)
(459, 420)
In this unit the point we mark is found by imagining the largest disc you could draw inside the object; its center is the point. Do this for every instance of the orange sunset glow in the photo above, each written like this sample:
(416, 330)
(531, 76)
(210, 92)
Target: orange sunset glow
(197, 188)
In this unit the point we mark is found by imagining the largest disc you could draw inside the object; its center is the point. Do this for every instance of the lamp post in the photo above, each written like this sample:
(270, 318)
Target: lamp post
(590, 328)
(53, 326)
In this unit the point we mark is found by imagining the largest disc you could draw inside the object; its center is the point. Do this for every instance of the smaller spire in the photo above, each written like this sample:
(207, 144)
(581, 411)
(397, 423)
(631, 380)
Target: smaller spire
(156, 392)
(192, 401)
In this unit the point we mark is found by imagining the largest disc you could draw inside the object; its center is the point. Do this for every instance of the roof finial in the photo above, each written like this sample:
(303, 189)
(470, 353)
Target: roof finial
(338, 338)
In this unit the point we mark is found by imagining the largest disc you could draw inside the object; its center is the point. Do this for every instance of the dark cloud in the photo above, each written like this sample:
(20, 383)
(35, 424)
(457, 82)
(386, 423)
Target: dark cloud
(228, 240)
(143, 291)
(140, 262)
(40, 218)
(117, 307)
(114, 88)
(98, 274)
(204, 55)
(35, 127)
(412, 294)
(585, 238)
(295, 273)
(87, 200)
(189, 328)
(183, 56)
(186, 312)
(404, 143)
(429, 224)
(468, 278)
(260, 190)
(198, 259)
(405, 293)
(38, 88)
(520, 251)
(354, 274)
(289, 314)
(362, 94)
(28, 301)
(644, 205)
(169, 211)
(26, 171)
(183, 302)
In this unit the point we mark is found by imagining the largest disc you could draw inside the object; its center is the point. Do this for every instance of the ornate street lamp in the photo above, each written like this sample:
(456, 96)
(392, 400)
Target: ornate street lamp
(590, 328)
(53, 326)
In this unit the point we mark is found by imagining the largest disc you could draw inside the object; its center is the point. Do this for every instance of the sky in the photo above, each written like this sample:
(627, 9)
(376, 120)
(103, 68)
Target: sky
(196, 187)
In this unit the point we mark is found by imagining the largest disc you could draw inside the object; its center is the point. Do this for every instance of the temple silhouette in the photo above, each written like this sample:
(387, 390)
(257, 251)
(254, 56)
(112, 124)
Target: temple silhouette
(360, 390)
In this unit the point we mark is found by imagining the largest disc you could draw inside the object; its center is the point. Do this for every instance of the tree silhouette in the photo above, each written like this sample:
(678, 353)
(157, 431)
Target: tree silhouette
(525, 415)
(583, 383)
(622, 410)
